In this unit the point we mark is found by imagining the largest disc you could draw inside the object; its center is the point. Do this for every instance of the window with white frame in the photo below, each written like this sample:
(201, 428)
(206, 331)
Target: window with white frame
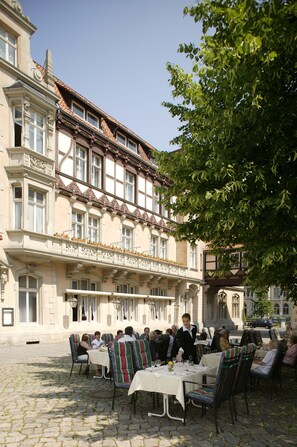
(286, 309)
(126, 307)
(36, 202)
(78, 230)
(8, 47)
(154, 246)
(156, 204)
(235, 306)
(87, 305)
(130, 187)
(126, 142)
(96, 171)
(36, 132)
(163, 248)
(18, 126)
(81, 163)
(17, 207)
(193, 256)
(78, 110)
(94, 229)
(28, 299)
(127, 238)
(92, 119)
(158, 307)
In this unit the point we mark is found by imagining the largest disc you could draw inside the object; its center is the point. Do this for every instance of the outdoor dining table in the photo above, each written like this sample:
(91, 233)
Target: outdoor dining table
(168, 383)
(100, 356)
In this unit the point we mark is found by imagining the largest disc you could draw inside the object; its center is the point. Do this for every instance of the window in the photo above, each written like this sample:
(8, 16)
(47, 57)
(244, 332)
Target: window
(158, 307)
(36, 132)
(164, 211)
(193, 256)
(18, 126)
(276, 292)
(17, 211)
(132, 146)
(7, 47)
(96, 171)
(36, 210)
(121, 138)
(126, 142)
(28, 299)
(78, 225)
(127, 235)
(235, 306)
(222, 307)
(92, 119)
(154, 246)
(125, 306)
(93, 229)
(163, 249)
(286, 309)
(81, 164)
(130, 187)
(78, 110)
(156, 205)
(86, 309)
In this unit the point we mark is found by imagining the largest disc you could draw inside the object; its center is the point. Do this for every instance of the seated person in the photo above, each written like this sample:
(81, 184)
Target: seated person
(97, 342)
(128, 336)
(172, 347)
(82, 349)
(152, 344)
(291, 353)
(224, 342)
(265, 365)
(145, 335)
(203, 335)
(120, 334)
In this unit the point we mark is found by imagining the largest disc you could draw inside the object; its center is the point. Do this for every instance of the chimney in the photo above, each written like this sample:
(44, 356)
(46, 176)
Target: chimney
(49, 76)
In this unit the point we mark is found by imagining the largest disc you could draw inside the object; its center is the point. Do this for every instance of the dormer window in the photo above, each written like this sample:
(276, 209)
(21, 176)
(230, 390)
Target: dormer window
(8, 45)
(126, 142)
(93, 120)
(78, 110)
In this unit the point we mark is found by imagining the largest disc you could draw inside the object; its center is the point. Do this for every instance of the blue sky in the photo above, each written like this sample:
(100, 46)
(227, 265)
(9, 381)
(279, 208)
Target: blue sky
(114, 52)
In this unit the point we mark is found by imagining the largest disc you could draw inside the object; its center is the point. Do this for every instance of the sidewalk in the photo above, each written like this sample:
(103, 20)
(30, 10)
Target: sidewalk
(41, 406)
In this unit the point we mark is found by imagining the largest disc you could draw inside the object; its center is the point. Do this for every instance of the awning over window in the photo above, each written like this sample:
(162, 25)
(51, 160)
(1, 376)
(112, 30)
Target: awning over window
(117, 295)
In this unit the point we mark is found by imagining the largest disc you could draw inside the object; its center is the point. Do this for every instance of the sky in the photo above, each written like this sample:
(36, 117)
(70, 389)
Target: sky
(114, 52)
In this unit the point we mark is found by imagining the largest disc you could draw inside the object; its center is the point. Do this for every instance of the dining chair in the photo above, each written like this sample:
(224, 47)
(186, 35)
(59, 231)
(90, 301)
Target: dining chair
(122, 368)
(74, 340)
(246, 357)
(294, 365)
(274, 374)
(214, 396)
(141, 354)
(108, 339)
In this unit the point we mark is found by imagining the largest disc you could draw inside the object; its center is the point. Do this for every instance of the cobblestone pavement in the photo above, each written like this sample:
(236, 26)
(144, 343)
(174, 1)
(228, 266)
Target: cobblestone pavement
(41, 406)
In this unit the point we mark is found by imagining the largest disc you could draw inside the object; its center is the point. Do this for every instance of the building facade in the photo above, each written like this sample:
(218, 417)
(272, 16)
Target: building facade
(85, 240)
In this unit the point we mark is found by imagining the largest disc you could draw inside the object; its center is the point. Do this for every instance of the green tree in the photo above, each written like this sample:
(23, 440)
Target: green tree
(262, 305)
(234, 176)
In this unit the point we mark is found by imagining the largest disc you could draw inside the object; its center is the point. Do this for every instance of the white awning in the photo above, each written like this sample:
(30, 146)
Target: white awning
(117, 295)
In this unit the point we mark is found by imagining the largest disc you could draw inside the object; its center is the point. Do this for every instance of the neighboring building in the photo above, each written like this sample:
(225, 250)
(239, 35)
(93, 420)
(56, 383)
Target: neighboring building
(280, 305)
(85, 241)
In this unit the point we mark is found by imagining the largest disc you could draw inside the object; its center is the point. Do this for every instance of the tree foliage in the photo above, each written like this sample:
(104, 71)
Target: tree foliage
(262, 305)
(234, 176)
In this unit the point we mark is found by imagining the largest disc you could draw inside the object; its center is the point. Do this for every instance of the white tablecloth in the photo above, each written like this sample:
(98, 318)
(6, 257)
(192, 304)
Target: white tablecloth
(99, 357)
(161, 380)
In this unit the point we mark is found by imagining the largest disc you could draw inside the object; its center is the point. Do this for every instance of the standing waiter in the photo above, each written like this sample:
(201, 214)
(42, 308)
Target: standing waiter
(186, 337)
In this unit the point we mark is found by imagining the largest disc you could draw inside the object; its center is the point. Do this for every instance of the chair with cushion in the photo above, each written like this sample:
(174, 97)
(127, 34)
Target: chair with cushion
(108, 339)
(214, 396)
(258, 338)
(74, 341)
(274, 374)
(122, 368)
(242, 374)
(141, 354)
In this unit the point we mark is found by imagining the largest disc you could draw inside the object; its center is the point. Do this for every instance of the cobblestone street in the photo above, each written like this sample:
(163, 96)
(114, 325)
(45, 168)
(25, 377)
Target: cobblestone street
(41, 406)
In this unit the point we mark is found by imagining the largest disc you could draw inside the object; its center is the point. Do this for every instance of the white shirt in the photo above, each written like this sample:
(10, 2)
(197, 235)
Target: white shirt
(268, 361)
(127, 338)
(97, 343)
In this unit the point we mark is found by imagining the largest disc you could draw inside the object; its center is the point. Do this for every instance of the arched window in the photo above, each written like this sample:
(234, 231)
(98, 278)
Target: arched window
(28, 299)
(286, 309)
(276, 309)
(235, 305)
